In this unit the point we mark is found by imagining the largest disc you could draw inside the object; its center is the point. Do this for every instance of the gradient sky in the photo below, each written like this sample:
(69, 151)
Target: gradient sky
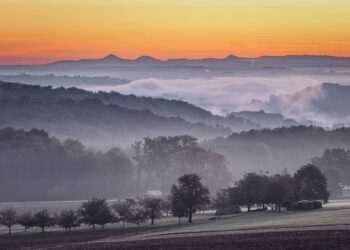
(47, 30)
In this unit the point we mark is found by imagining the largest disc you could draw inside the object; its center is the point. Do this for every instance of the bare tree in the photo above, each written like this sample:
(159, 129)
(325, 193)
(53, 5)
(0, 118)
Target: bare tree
(8, 218)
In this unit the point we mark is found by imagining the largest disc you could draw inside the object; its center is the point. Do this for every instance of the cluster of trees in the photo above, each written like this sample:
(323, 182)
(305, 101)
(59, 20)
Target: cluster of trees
(335, 163)
(186, 198)
(92, 213)
(165, 158)
(68, 170)
(61, 169)
(41, 219)
(308, 183)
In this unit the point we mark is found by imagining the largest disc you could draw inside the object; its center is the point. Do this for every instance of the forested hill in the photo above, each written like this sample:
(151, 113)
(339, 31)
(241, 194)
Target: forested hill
(159, 106)
(80, 114)
(277, 149)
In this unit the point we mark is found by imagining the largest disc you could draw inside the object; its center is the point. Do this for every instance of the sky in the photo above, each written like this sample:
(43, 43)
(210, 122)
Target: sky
(39, 31)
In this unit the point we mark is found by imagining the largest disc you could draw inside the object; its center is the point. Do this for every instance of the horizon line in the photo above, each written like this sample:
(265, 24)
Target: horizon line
(112, 55)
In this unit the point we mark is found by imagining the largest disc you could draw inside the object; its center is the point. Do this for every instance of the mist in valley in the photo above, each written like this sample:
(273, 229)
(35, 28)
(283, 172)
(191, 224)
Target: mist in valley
(88, 116)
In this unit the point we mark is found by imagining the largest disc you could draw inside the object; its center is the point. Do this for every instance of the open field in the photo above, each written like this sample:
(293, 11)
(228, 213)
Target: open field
(268, 219)
(329, 237)
(295, 240)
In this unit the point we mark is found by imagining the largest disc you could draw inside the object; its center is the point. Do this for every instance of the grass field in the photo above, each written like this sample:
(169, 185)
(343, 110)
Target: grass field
(268, 219)
(334, 214)
(294, 240)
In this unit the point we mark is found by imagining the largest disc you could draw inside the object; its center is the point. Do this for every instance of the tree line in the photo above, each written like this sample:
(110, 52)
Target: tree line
(261, 189)
(66, 169)
(186, 198)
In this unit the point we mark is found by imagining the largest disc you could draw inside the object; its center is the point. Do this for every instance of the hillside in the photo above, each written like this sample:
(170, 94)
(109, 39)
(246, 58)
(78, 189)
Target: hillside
(83, 115)
(265, 120)
(159, 106)
(275, 150)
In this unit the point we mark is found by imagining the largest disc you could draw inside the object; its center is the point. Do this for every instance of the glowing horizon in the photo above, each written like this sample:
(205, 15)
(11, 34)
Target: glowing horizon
(44, 31)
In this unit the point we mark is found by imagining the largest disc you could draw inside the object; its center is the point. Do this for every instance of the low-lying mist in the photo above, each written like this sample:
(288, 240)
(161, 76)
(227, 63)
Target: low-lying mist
(222, 95)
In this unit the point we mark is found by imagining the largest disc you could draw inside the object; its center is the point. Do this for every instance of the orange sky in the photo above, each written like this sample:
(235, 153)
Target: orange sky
(46, 30)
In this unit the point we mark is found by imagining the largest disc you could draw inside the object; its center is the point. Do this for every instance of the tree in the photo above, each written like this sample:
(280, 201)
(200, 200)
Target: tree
(222, 198)
(138, 214)
(68, 219)
(95, 211)
(153, 208)
(252, 189)
(43, 219)
(281, 189)
(159, 153)
(335, 164)
(178, 207)
(191, 193)
(236, 195)
(166, 205)
(26, 220)
(139, 160)
(123, 209)
(209, 165)
(310, 184)
(8, 218)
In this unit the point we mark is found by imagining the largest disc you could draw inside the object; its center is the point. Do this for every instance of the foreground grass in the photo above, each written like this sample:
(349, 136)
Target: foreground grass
(265, 219)
(168, 228)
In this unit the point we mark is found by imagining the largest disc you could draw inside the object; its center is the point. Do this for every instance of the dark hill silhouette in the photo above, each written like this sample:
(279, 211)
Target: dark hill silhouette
(263, 61)
(159, 106)
(94, 118)
(146, 66)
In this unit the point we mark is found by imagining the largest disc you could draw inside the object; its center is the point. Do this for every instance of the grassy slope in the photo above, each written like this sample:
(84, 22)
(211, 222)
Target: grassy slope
(261, 220)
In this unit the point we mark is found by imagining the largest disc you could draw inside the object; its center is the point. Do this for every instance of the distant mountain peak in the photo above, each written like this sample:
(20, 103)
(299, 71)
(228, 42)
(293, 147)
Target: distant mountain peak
(111, 57)
(229, 57)
(146, 59)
